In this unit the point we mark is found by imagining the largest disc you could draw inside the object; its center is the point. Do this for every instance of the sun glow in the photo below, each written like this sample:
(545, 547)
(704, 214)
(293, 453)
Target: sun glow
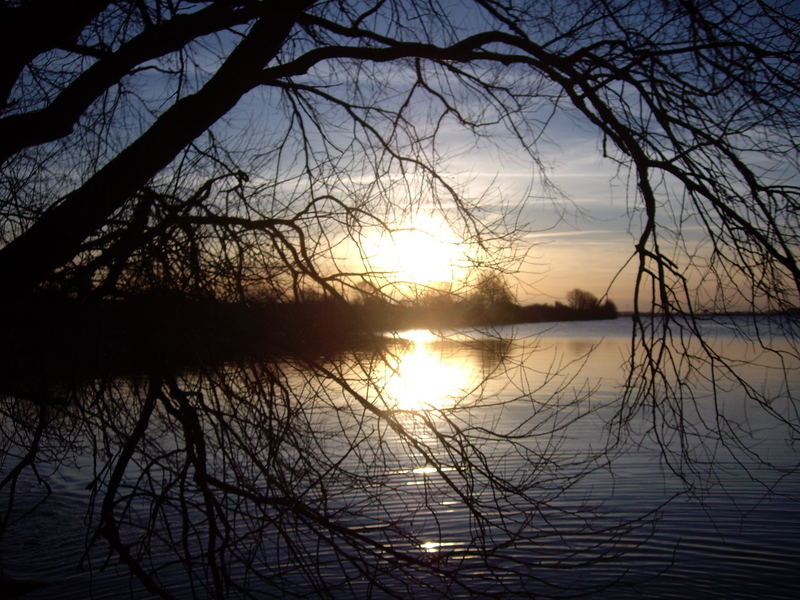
(423, 253)
(425, 378)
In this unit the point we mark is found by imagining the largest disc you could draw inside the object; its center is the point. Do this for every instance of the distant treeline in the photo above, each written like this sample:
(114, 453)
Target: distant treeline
(446, 313)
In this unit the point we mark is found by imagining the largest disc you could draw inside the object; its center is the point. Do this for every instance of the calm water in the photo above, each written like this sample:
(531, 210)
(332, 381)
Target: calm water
(468, 465)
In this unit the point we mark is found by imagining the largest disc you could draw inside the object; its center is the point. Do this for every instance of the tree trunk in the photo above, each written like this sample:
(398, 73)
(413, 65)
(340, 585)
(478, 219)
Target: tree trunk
(57, 236)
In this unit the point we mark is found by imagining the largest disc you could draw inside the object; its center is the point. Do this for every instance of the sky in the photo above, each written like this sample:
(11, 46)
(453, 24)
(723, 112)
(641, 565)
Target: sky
(581, 235)
(592, 236)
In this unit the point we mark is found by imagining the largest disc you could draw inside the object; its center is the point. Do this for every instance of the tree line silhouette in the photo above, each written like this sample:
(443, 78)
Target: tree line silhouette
(58, 336)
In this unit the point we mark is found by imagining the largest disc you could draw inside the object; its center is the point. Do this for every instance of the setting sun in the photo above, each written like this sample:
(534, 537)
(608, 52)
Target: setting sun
(425, 252)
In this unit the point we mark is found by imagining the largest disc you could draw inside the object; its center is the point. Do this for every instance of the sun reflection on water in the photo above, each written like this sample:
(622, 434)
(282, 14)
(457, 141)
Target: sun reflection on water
(426, 470)
(432, 547)
(423, 376)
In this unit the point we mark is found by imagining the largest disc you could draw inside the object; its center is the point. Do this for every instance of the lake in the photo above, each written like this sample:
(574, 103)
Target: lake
(521, 461)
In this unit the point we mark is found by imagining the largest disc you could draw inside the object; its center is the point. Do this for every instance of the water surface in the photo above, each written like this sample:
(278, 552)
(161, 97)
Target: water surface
(457, 465)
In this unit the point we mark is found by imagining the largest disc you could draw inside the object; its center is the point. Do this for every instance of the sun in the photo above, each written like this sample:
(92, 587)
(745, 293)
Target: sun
(424, 252)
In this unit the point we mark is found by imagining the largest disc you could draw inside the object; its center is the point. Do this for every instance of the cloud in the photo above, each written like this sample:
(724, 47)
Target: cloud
(574, 233)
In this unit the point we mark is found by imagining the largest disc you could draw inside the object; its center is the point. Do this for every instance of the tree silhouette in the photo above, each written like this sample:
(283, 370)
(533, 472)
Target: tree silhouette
(582, 300)
(491, 289)
(230, 149)
(127, 145)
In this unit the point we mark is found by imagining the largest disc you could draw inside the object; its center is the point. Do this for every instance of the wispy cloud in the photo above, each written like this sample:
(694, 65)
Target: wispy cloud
(573, 233)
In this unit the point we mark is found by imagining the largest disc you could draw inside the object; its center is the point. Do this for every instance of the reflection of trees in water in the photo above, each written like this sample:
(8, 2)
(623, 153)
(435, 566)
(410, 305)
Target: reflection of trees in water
(275, 478)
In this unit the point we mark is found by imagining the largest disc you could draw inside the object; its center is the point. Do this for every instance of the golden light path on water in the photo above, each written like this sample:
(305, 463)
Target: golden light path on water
(426, 374)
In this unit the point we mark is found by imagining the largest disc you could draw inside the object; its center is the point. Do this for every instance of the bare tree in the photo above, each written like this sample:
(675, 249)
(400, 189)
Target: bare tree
(229, 148)
(122, 131)
(582, 300)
